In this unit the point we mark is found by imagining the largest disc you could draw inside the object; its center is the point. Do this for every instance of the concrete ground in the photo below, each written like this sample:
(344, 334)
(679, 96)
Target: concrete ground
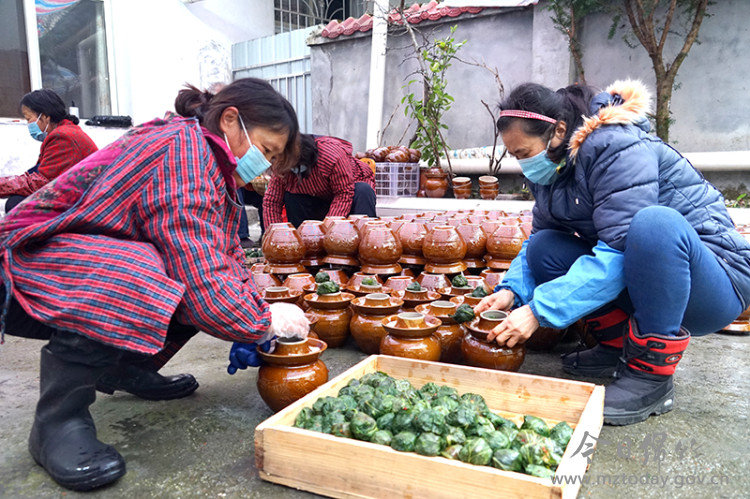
(202, 446)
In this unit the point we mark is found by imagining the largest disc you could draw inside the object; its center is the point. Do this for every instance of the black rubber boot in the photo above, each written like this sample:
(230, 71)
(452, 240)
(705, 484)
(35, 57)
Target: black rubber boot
(644, 381)
(601, 360)
(63, 438)
(142, 380)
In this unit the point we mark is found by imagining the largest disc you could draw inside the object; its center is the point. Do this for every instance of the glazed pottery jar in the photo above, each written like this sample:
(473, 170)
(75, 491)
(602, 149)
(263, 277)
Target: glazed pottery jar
(443, 248)
(328, 221)
(273, 294)
(354, 284)
(311, 233)
(450, 333)
(263, 280)
(410, 335)
(398, 283)
(436, 182)
(414, 298)
(283, 249)
(291, 371)
(488, 181)
(302, 282)
(360, 223)
(411, 235)
(503, 246)
(432, 281)
(332, 315)
(462, 187)
(366, 326)
(492, 278)
(341, 243)
(489, 187)
(379, 249)
(478, 352)
(476, 245)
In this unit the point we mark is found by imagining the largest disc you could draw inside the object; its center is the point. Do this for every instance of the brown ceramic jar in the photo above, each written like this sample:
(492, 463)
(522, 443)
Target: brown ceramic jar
(273, 294)
(411, 235)
(291, 371)
(492, 278)
(462, 187)
(263, 280)
(311, 233)
(444, 250)
(332, 315)
(436, 182)
(341, 243)
(410, 335)
(283, 249)
(503, 246)
(413, 298)
(379, 250)
(398, 283)
(328, 221)
(432, 281)
(545, 339)
(366, 326)
(450, 333)
(476, 245)
(478, 352)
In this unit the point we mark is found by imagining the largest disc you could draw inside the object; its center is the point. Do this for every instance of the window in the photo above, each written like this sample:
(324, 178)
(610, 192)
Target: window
(297, 14)
(70, 56)
(14, 57)
(73, 53)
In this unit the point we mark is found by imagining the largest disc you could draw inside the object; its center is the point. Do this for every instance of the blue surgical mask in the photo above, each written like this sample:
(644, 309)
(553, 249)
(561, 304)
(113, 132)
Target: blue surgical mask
(253, 162)
(37, 133)
(539, 168)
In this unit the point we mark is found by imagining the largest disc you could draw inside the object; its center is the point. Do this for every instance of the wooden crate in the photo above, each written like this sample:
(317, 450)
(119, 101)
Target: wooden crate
(343, 467)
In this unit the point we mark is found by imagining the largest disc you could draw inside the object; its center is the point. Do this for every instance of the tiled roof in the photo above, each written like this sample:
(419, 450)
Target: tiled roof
(431, 11)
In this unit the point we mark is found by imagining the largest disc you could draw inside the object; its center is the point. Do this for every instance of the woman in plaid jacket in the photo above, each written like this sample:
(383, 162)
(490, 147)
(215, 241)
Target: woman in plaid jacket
(122, 258)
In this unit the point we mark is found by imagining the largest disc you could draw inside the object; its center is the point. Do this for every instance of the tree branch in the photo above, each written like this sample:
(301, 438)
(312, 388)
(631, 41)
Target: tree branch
(667, 23)
(700, 12)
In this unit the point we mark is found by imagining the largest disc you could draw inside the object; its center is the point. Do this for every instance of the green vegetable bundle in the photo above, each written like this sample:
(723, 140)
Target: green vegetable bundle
(436, 420)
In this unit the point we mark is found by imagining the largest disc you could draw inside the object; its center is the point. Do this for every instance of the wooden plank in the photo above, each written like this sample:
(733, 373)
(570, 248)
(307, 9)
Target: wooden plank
(340, 467)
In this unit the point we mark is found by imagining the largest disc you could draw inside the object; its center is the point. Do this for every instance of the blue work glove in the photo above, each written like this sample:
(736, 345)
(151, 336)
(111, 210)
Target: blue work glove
(243, 355)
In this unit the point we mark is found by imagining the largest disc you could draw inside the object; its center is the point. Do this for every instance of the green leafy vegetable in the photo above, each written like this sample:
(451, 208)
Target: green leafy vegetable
(303, 418)
(535, 424)
(429, 420)
(452, 451)
(464, 313)
(479, 292)
(322, 277)
(327, 288)
(464, 417)
(561, 434)
(363, 426)
(497, 440)
(404, 441)
(382, 437)
(414, 286)
(499, 421)
(385, 421)
(369, 281)
(403, 422)
(454, 435)
(342, 429)
(507, 460)
(476, 451)
(460, 281)
(428, 444)
(539, 471)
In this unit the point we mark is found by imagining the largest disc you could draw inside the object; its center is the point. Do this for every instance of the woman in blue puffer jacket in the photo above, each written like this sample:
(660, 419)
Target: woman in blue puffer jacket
(627, 235)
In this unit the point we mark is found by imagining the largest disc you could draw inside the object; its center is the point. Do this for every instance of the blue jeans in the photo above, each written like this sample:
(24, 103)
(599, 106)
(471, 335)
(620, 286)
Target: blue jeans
(672, 279)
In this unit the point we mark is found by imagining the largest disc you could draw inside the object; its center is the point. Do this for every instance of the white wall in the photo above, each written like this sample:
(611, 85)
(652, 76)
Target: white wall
(238, 20)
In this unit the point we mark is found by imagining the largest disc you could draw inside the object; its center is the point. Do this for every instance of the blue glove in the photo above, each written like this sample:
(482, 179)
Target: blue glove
(243, 355)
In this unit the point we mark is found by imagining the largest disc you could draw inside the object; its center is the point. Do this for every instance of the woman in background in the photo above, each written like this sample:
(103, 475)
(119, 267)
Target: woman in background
(64, 144)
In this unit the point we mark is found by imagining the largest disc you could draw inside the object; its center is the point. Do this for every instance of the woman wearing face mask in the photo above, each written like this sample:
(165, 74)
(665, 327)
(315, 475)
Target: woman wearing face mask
(64, 144)
(125, 256)
(627, 235)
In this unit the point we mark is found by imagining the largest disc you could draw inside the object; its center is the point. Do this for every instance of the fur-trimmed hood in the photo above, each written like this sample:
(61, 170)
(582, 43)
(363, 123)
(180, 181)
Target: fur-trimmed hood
(624, 102)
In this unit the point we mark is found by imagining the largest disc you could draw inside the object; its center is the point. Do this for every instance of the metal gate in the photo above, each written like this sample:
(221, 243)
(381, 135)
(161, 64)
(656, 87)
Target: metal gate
(284, 61)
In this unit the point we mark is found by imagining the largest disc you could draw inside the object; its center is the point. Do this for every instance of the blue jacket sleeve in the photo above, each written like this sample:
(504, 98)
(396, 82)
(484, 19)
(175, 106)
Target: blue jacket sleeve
(519, 279)
(591, 282)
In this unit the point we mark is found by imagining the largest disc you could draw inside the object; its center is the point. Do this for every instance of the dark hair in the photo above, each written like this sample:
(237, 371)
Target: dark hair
(308, 154)
(46, 101)
(569, 104)
(259, 105)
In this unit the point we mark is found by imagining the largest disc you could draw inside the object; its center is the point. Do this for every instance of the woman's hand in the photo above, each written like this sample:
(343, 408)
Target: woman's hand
(516, 329)
(502, 300)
